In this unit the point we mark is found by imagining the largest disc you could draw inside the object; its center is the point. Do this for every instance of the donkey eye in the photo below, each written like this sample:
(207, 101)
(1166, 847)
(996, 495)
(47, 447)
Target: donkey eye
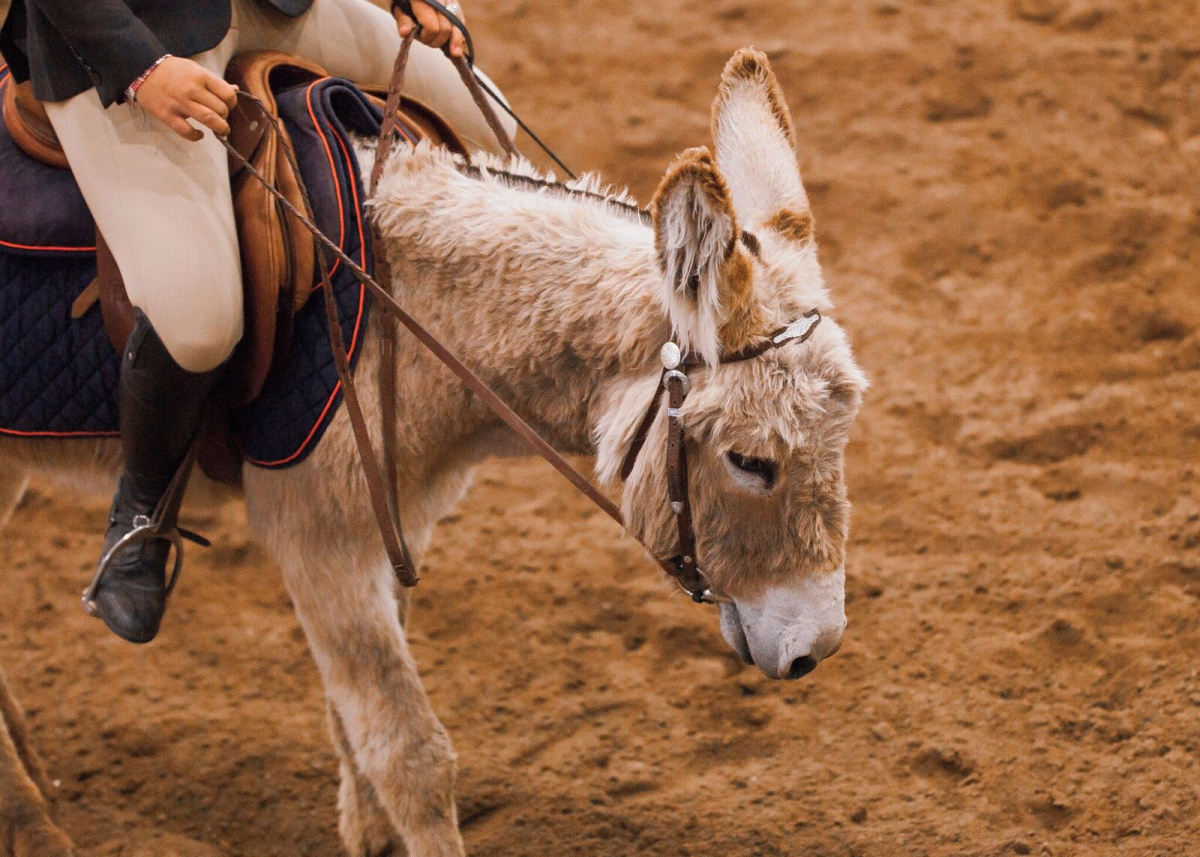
(763, 469)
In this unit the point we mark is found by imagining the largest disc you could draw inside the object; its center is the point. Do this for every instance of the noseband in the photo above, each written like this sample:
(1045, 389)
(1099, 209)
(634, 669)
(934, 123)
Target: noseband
(684, 566)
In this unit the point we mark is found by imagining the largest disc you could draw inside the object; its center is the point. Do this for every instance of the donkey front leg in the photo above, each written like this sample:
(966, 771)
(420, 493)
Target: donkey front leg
(393, 740)
(365, 827)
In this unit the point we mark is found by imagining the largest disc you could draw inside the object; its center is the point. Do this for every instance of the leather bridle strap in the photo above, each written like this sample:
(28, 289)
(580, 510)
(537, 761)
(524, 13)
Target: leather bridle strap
(387, 355)
(688, 573)
(798, 331)
(379, 479)
(485, 107)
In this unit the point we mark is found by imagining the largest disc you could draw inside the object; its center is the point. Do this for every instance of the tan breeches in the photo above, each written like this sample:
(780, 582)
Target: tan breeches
(163, 204)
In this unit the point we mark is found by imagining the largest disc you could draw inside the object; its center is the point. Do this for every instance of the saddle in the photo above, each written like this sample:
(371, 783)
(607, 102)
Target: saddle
(277, 252)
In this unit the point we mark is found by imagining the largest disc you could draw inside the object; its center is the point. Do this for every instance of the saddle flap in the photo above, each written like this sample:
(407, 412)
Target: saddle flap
(278, 261)
(248, 129)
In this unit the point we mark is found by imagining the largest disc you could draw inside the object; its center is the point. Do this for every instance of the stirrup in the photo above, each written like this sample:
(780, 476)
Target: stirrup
(151, 527)
(144, 529)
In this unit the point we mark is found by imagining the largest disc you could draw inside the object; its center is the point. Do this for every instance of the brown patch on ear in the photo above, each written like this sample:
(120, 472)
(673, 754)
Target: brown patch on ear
(793, 225)
(753, 66)
(699, 166)
(743, 322)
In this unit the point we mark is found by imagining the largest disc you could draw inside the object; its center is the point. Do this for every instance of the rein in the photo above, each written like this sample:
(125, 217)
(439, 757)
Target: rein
(382, 481)
(468, 70)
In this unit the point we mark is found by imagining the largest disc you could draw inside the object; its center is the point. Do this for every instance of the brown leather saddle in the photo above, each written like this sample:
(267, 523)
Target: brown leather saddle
(277, 252)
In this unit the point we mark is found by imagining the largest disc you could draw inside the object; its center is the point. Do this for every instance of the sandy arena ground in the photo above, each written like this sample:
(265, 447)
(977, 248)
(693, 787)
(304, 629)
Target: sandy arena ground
(1009, 217)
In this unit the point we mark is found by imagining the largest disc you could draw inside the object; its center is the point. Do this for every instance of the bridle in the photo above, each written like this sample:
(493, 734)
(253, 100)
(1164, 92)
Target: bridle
(684, 566)
(380, 472)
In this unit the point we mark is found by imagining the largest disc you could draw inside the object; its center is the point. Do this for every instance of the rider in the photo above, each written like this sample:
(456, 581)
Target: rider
(129, 111)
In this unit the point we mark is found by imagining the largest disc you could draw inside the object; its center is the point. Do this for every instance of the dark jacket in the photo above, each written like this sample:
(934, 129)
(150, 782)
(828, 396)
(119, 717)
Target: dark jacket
(68, 46)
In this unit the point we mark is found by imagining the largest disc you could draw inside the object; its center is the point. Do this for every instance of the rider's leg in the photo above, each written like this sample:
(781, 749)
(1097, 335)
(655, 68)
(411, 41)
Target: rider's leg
(357, 39)
(163, 205)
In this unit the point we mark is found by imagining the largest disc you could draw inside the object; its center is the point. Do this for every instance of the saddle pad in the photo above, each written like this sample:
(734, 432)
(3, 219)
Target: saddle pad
(41, 208)
(58, 376)
(300, 397)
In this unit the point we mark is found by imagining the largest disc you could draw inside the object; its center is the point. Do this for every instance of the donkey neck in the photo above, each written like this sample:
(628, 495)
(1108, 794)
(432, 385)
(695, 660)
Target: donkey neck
(549, 296)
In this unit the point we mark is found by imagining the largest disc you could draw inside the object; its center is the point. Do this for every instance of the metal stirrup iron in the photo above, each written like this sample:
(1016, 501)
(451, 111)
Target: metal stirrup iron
(153, 527)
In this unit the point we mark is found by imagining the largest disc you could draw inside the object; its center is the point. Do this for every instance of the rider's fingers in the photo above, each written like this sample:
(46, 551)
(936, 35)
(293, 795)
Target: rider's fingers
(404, 23)
(213, 103)
(222, 89)
(208, 118)
(178, 124)
(435, 29)
(446, 31)
(458, 43)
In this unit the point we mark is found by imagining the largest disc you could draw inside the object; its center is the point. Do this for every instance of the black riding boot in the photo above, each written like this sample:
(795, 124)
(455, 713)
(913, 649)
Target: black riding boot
(161, 408)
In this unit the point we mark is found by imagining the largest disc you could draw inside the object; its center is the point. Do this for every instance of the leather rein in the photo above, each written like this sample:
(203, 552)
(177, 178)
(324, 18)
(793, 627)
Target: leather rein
(380, 472)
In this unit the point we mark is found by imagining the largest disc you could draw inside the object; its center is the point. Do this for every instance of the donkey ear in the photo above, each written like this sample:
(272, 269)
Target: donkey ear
(695, 234)
(756, 148)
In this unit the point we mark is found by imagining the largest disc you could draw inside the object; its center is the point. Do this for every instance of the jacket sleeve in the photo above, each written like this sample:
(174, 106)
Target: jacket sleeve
(108, 38)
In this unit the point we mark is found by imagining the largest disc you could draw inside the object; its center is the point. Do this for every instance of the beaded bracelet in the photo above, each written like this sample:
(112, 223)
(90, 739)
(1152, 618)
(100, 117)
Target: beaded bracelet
(132, 91)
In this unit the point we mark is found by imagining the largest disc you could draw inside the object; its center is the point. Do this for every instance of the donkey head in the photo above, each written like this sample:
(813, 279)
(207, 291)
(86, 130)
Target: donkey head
(765, 438)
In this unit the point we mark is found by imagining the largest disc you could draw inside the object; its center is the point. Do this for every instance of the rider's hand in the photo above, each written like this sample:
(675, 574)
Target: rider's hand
(436, 29)
(180, 89)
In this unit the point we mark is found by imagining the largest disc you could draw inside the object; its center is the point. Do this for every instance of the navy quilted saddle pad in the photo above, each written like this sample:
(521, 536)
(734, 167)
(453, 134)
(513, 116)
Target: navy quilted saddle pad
(58, 375)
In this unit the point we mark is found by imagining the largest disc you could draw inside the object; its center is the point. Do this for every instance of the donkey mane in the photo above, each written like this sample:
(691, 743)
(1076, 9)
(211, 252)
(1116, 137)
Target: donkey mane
(519, 174)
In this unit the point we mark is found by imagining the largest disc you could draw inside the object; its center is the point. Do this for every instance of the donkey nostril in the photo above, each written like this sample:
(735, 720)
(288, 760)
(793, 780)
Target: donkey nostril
(802, 667)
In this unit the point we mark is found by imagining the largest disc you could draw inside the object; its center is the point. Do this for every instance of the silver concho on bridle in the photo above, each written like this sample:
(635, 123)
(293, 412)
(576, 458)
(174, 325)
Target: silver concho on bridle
(671, 356)
(672, 359)
(798, 329)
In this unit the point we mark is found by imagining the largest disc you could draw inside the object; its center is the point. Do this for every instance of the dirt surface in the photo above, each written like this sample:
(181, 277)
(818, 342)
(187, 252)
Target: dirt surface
(1009, 216)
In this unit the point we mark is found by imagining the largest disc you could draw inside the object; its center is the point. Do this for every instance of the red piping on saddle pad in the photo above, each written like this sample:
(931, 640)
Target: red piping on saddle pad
(67, 434)
(47, 249)
(337, 185)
